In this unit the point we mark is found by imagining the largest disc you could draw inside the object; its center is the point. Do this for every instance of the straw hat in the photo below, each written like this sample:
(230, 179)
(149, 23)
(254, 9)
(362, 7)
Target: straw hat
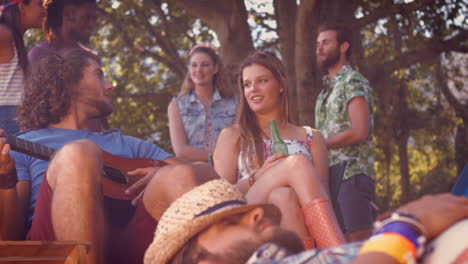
(195, 211)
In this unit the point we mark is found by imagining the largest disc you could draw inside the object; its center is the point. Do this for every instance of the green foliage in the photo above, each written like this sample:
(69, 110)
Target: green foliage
(144, 46)
(429, 118)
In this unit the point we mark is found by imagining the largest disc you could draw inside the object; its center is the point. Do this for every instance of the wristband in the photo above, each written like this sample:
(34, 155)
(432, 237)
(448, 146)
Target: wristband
(406, 225)
(8, 180)
(393, 245)
(405, 218)
(400, 228)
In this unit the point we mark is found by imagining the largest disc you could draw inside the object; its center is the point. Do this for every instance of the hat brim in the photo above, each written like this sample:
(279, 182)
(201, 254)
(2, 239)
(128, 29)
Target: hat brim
(165, 245)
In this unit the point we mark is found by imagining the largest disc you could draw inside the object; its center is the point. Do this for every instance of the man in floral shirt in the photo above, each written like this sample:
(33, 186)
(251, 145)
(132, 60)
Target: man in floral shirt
(343, 113)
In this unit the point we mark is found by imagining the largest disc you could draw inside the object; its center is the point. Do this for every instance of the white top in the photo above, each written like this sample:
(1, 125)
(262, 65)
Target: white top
(11, 82)
(294, 147)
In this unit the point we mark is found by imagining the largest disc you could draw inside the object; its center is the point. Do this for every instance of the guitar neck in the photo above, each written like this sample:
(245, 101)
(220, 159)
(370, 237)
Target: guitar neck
(30, 148)
(42, 152)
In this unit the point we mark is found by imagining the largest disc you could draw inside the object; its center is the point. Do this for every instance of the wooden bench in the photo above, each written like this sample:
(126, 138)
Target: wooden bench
(42, 252)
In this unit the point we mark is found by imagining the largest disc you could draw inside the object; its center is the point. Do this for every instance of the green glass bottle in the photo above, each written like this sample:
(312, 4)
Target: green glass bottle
(277, 144)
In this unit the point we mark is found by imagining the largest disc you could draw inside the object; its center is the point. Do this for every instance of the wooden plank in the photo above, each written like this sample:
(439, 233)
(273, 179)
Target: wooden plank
(39, 252)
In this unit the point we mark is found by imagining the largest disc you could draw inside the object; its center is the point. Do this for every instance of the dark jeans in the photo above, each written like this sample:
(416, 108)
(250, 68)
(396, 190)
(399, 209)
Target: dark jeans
(352, 199)
(8, 119)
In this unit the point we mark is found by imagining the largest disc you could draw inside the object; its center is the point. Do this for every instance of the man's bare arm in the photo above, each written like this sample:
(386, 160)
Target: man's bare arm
(12, 203)
(359, 116)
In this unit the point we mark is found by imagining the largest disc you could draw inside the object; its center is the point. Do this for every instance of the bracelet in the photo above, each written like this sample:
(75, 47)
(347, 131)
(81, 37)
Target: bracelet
(252, 179)
(400, 228)
(405, 218)
(406, 225)
(393, 245)
(8, 180)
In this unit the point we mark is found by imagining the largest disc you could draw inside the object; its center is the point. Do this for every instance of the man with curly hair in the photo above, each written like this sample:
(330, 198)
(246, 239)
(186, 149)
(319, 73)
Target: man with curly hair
(63, 198)
(68, 24)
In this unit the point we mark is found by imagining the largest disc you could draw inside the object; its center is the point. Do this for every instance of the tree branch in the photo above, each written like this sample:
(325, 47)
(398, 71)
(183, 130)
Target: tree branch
(164, 41)
(460, 109)
(385, 11)
(431, 50)
(207, 10)
(175, 67)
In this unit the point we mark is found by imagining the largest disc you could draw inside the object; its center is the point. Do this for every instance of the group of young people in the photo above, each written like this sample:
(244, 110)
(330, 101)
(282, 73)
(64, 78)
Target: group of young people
(67, 199)
(297, 183)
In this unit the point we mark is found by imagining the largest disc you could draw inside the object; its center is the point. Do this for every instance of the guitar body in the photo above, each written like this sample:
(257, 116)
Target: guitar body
(115, 189)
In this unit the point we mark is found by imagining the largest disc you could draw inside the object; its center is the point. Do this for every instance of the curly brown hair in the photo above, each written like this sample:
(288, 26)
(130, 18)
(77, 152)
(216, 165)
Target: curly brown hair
(48, 91)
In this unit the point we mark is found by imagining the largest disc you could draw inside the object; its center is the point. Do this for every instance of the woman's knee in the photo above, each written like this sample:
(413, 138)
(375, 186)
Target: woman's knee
(299, 166)
(297, 161)
(284, 198)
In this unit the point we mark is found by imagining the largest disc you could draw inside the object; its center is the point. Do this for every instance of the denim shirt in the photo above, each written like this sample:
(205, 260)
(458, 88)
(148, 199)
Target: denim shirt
(222, 111)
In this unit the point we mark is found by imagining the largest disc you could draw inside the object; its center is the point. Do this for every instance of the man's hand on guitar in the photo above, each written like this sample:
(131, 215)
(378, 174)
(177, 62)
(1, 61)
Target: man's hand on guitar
(140, 185)
(7, 163)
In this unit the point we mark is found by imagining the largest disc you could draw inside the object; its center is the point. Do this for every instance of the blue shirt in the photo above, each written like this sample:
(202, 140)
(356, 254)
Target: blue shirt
(112, 141)
(194, 118)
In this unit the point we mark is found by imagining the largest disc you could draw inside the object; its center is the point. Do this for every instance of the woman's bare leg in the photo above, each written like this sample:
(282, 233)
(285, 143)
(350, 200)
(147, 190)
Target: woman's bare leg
(296, 172)
(292, 218)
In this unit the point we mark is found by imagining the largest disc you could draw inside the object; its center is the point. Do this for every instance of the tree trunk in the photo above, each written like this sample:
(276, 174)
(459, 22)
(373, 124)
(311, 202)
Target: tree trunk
(461, 146)
(286, 14)
(307, 86)
(402, 129)
(461, 111)
(401, 138)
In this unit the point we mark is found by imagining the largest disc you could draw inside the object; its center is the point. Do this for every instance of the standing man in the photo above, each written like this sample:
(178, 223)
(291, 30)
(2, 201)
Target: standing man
(68, 24)
(343, 113)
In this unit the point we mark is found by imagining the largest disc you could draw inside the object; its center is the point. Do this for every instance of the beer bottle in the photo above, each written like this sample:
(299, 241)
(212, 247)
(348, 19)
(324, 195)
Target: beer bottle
(277, 144)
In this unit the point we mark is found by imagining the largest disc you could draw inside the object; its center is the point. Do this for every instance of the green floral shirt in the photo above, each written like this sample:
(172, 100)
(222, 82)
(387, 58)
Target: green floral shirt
(331, 118)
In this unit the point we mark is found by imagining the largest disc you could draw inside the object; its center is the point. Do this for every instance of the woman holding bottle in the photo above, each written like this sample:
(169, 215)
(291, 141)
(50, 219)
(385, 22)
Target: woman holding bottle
(204, 106)
(296, 183)
(16, 17)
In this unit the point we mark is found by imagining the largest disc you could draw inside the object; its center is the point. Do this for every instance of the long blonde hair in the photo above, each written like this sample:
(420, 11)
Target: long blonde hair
(251, 142)
(218, 79)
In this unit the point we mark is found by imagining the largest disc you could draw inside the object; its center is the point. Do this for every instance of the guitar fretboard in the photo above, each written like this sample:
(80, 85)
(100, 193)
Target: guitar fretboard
(30, 148)
(45, 153)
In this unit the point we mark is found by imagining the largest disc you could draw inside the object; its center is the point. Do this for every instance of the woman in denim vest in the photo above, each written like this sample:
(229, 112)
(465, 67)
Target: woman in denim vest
(204, 106)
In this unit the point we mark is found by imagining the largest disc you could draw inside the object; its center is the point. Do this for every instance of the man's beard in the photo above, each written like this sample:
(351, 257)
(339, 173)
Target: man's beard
(103, 109)
(287, 240)
(100, 108)
(330, 60)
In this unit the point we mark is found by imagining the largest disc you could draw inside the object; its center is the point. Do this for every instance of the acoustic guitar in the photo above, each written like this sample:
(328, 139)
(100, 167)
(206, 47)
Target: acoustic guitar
(115, 169)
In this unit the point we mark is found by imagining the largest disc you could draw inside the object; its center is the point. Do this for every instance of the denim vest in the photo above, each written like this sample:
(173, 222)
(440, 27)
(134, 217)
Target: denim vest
(222, 111)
